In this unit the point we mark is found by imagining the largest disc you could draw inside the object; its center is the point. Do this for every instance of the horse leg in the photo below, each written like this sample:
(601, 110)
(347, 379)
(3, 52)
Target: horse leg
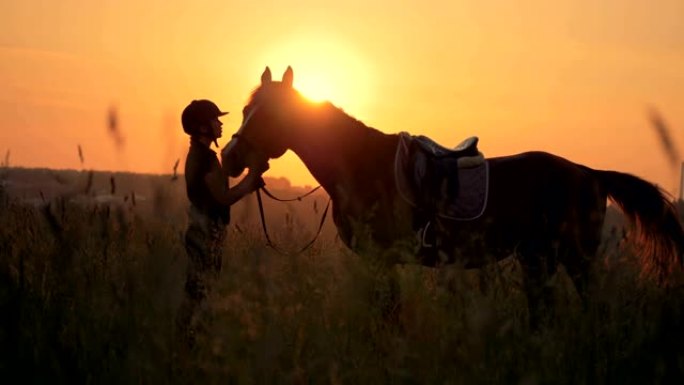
(582, 247)
(385, 291)
(538, 261)
(577, 267)
(578, 264)
(578, 261)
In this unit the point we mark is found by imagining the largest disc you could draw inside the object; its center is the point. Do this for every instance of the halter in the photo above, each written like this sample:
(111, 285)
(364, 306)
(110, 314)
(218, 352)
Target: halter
(238, 134)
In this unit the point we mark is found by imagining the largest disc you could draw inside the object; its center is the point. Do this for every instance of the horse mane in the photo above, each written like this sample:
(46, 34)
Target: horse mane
(328, 109)
(252, 95)
(338, 114)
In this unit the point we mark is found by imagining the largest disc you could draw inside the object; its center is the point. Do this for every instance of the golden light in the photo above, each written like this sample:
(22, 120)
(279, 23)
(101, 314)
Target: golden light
(324, 69)
(318, 87)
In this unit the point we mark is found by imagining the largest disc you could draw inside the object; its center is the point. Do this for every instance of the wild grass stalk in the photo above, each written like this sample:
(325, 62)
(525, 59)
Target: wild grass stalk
(89, 294)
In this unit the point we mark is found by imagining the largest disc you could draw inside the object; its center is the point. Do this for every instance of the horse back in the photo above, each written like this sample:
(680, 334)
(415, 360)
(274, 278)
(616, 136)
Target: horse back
(539, 183)
(532, 196)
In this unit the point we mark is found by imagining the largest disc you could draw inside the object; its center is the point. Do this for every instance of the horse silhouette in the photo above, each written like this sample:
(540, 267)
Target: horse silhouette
(540, 207)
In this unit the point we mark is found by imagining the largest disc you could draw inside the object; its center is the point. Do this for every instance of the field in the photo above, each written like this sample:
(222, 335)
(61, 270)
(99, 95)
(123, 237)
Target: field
(92, 272)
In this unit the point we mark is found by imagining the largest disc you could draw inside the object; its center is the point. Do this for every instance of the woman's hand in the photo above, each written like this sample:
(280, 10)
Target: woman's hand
(253, 180)
(260, 169)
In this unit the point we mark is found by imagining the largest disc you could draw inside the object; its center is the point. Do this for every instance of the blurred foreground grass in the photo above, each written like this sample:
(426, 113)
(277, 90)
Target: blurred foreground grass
(89, 293)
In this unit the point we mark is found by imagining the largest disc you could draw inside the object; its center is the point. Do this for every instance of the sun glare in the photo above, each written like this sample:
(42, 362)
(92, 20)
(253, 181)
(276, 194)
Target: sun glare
(318, 87)
(324, 70)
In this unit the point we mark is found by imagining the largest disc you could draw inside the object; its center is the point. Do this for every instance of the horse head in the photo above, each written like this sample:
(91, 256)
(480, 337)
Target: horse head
(266, 120)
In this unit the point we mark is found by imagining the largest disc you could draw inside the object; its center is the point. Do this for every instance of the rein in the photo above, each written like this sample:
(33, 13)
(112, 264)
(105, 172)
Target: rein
(299, 198)
(269, 242)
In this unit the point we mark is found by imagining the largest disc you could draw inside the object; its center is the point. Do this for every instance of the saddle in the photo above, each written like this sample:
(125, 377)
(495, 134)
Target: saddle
(442, 182)
(466, 148)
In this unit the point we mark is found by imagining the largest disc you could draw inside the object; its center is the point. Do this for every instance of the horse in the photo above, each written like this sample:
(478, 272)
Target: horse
(541, 208)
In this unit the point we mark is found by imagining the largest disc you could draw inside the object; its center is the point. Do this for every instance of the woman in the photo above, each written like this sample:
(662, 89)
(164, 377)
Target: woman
(210, 200)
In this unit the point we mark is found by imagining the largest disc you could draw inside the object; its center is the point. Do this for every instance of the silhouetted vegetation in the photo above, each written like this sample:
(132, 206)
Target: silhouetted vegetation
(89, 291)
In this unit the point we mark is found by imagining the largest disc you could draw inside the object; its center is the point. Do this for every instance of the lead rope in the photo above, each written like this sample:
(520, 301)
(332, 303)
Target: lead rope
(269, 242)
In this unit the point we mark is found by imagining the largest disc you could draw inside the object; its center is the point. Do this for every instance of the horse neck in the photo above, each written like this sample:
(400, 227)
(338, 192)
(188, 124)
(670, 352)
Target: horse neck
(343, 154)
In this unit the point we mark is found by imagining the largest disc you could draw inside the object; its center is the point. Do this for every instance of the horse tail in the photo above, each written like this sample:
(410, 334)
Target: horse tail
(659, 231)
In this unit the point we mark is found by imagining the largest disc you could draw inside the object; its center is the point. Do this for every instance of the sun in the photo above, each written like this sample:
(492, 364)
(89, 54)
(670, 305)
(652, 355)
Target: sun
(318, 86)
(325, 69)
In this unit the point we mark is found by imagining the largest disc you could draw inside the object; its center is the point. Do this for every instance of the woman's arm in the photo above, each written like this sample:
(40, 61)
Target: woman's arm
(218, 186)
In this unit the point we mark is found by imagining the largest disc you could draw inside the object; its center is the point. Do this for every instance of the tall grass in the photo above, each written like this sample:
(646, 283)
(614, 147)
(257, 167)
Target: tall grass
(89, 294)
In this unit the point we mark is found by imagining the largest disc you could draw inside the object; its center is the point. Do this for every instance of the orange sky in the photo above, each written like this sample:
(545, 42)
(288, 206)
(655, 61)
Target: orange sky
(572, 77)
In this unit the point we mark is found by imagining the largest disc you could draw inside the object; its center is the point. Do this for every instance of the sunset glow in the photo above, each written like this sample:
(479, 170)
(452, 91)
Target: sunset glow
(319, 87)
(327, 68)
(530, 76)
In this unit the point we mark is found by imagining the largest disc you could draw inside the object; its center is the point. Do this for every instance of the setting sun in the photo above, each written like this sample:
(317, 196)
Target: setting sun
(327, 69)
(318, 87)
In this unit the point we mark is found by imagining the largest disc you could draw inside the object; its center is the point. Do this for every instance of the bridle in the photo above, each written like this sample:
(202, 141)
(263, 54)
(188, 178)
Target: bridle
(269, 242)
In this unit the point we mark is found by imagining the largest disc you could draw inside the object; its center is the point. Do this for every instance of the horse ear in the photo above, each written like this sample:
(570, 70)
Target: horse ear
(266, 76)
(288, 76)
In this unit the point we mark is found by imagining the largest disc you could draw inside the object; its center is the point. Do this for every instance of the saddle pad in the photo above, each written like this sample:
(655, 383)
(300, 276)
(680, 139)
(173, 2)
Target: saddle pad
(456, 193)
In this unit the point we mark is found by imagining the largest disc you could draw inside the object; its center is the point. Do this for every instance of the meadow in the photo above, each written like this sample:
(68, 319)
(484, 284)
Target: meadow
(89, 293)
